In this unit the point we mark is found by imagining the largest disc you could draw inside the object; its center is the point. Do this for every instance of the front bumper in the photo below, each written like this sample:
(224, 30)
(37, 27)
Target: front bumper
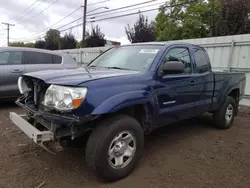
(32, 132)
(49, 126)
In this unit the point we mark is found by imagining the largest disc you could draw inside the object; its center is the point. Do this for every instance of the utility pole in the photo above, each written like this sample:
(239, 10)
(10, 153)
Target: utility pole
(84, 22)
(8, 31)
(213, 19)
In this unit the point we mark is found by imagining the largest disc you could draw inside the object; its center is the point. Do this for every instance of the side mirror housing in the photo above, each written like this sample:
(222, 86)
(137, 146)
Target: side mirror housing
(173, 67)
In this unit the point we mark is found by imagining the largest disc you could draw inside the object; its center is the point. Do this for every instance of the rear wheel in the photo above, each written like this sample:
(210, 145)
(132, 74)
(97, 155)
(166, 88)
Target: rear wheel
(224, 117)
(114, 147)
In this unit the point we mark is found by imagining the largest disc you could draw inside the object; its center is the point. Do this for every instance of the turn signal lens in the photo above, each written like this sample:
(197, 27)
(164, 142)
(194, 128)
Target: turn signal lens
(77, 102)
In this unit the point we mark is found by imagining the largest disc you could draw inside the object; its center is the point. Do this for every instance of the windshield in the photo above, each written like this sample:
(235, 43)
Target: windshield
(137, 58)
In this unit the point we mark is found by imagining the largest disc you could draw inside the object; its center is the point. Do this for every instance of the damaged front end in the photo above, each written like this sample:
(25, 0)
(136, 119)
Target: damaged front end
(43, 123)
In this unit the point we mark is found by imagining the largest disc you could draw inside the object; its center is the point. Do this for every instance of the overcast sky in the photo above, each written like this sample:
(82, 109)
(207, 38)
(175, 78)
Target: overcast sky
(32, 23)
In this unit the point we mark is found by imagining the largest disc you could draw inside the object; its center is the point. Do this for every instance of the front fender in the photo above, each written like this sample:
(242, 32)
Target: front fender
(123, 100)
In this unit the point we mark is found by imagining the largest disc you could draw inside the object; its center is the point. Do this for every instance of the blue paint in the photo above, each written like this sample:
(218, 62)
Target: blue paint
(110, 90)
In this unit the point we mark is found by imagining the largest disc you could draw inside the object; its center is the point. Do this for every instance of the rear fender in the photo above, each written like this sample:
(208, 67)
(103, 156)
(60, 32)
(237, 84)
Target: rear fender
(229, 90)
(123, 100)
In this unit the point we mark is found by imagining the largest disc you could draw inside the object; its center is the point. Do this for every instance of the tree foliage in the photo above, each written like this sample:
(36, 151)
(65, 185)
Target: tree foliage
(187, 20)
(234, 17)
(201, 19)
(95, 38)
(40, 44)
(142, 31)
(21, 44)
(68, 41)
(52, 39)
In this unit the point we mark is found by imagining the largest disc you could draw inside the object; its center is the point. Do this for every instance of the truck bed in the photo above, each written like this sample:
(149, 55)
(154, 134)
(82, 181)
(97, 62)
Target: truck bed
(226, 80)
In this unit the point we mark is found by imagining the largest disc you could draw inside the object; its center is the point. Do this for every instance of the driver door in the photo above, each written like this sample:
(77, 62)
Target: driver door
(177, 93)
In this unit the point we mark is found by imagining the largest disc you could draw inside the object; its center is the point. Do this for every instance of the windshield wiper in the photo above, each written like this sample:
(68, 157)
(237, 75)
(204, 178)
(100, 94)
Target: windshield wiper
(117, 68)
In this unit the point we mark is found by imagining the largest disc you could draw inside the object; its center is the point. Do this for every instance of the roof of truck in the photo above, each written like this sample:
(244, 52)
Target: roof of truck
(165, 43)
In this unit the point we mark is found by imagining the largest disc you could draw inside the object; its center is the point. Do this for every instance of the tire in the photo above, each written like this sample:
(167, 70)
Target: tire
(99, 145)
(219, 117)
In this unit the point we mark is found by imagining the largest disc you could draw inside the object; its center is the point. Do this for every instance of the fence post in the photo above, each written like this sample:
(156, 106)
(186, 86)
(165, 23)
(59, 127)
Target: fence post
(81, 58)
(229, 64)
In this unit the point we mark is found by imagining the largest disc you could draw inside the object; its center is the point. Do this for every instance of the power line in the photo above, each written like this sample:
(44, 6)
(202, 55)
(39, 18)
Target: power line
(130, 14)
(54, 23)
(110, 11)
(98, 20)
(25, 10)
(133, 5)
(161, 3)
(32, 9)
(103, 11)
(98, 2)
(62, 19)
(39, 12)
(124, 15)
(113, 17)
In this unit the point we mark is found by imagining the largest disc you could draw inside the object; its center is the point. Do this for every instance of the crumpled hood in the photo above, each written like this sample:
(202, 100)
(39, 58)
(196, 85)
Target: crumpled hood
(75, 77)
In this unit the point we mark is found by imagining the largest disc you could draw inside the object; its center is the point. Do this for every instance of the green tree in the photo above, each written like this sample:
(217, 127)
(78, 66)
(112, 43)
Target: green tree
(142, 31)
(40, 44)
(183, 19)
(68, 42)
(52, 39)
(22, 44)
(17, 44)
(95, 38)
(78, 44)
(234, 17)
(30, 45)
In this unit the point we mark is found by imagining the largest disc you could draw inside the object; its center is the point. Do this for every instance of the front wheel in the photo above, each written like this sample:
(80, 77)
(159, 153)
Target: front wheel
(224, 117)
(114, 147)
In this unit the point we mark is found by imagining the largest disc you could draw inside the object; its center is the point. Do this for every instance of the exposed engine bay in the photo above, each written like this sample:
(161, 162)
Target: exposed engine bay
(33, 91)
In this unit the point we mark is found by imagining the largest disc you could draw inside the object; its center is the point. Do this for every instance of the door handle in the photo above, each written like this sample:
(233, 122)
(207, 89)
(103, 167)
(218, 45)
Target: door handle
(192, 83)
(17, 71)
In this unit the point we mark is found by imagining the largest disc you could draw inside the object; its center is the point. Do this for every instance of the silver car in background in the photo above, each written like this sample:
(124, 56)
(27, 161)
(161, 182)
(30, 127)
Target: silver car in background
(15, 61)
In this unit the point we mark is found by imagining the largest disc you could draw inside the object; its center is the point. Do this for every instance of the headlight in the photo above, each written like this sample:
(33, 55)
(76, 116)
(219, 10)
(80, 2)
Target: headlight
(22, 86)
(64, 98)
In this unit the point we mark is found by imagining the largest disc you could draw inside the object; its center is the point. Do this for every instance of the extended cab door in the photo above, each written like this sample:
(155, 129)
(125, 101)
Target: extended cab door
(37, 61)
(11, 68)
(205, 80)
(177, 93)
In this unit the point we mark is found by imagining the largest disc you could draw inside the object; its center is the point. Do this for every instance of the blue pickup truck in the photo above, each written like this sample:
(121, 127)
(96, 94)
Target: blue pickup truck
(123, 95)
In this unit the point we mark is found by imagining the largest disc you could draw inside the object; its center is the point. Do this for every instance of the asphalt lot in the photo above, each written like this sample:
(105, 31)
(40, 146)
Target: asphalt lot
(188, 154)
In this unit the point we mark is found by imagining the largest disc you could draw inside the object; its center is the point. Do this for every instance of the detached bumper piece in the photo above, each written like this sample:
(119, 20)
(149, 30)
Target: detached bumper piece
(32, 132)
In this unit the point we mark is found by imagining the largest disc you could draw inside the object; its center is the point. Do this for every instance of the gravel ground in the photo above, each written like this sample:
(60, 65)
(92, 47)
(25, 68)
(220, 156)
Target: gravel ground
(188, 154)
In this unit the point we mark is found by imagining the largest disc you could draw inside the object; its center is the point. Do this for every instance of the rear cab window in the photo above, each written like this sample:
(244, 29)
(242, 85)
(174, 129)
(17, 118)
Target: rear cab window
(201, 60)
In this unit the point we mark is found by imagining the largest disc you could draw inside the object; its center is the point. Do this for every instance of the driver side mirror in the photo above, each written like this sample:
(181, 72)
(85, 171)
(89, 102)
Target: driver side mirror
(173, 67)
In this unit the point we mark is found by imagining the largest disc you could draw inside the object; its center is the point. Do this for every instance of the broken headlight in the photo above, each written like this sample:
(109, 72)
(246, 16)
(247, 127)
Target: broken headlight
(64, 98)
